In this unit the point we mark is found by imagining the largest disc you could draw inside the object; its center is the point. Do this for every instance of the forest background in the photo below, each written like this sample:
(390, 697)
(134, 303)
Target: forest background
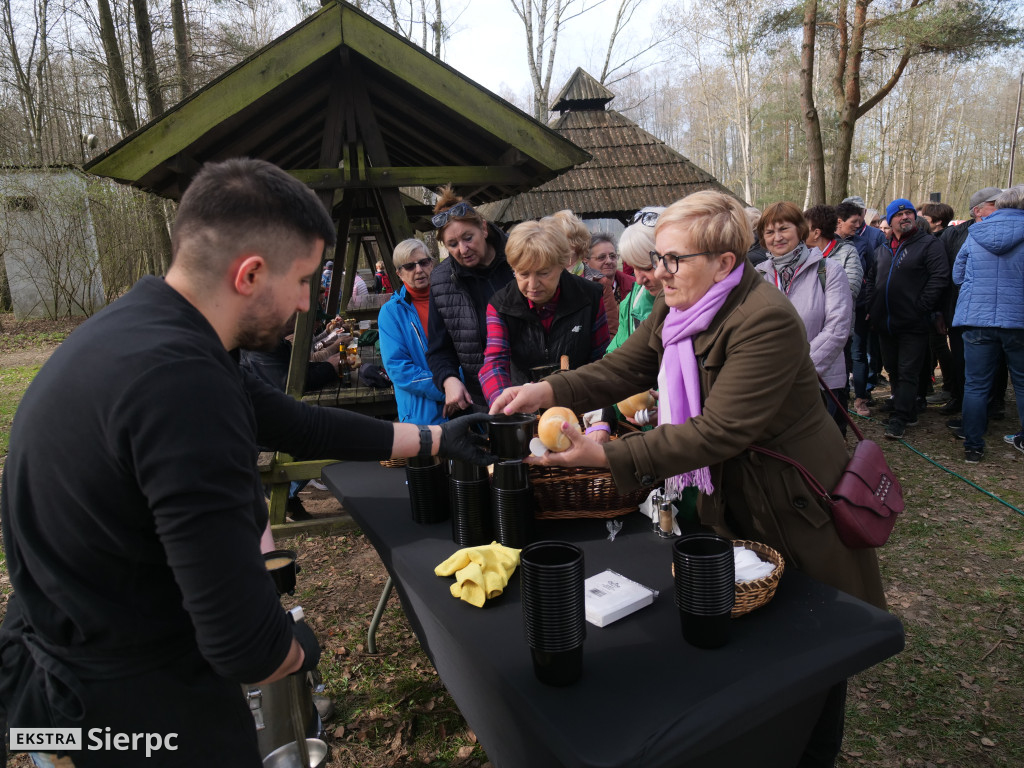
(807, 101)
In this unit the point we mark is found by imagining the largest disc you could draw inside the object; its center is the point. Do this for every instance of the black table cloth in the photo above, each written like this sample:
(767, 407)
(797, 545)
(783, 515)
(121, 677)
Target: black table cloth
(646, 698)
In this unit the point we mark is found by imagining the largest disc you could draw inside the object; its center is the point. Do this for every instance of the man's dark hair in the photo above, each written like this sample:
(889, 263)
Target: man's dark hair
(846, 210)
(938, 212)
(245, 204)
(822, 217)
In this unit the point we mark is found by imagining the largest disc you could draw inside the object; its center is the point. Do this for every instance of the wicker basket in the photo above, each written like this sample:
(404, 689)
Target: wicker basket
(564, 492)
(754, 594)
(400, 462)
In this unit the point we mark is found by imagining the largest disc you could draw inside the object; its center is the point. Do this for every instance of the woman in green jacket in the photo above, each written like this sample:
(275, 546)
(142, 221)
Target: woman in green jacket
(635, 246)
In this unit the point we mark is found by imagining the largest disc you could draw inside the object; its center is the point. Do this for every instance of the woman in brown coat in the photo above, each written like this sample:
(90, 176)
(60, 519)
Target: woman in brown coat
(729, 355)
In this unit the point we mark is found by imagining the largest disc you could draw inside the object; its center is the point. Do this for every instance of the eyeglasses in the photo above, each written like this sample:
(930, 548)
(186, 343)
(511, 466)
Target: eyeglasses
(613, 256)
(647, 218)
(411, 265)
(671, 260)
(457, 210)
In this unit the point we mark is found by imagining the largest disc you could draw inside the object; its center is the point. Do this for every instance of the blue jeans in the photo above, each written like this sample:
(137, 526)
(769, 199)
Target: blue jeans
(982, 347)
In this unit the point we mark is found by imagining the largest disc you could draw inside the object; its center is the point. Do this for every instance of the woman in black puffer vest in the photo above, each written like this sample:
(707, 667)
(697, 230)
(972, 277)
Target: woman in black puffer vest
(544, 314)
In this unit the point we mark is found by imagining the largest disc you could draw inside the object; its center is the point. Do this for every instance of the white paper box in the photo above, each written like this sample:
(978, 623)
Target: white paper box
(609, 596)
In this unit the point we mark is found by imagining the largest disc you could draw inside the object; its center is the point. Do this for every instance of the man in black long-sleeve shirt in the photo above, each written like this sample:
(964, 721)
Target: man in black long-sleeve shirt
(132, 509)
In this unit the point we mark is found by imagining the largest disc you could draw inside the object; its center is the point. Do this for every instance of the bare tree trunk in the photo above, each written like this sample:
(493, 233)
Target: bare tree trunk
(150, 75)
(536, 23)
(438, 25)
(27, 75)
(182, 57)
(115, 69)
(812, 126)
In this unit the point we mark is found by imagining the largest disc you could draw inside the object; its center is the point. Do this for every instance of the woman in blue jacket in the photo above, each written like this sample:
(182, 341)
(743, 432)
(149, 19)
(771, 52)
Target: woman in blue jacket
(403, 337)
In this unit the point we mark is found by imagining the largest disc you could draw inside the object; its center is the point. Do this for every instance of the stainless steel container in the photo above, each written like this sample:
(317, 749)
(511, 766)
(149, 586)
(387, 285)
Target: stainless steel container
(272, 712)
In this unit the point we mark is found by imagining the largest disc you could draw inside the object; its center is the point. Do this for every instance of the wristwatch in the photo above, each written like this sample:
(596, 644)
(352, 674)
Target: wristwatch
(426, 442)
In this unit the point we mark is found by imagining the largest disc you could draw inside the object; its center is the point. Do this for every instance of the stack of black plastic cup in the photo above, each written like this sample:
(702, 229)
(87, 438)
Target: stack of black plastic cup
(705, 588)
(554, 615)
(428, 489)
(512, 504)
(511, 497)
(470, 495)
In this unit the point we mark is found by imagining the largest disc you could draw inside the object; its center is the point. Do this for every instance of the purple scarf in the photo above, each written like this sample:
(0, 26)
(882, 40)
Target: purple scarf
(679, 378)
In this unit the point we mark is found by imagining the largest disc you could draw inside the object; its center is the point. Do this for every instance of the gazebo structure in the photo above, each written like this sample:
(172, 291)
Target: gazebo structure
(630, 167)
(359, 114)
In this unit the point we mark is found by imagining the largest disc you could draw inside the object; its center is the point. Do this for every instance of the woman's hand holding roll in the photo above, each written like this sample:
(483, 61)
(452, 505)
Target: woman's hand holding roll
(582, 452)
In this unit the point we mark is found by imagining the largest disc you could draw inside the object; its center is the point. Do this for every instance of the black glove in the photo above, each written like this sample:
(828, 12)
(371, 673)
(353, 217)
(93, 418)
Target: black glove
(461, 439)
(310, 646)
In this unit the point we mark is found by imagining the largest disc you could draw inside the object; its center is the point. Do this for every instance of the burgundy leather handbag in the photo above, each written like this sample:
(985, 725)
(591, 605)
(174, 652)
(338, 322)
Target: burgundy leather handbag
(867, 498)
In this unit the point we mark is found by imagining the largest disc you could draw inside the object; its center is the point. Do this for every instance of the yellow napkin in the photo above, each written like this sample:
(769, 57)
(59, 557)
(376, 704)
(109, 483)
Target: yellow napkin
(480, 572)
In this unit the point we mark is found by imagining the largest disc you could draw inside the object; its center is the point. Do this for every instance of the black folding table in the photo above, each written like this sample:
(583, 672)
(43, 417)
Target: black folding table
(646, 697)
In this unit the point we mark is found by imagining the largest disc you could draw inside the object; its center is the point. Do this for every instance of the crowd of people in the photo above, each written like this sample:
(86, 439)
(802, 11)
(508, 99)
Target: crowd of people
(874, 290)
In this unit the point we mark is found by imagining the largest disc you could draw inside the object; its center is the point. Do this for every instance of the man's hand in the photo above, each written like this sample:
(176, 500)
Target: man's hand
(456, 396)
(528, 398)
(582, 452)
(461, 440)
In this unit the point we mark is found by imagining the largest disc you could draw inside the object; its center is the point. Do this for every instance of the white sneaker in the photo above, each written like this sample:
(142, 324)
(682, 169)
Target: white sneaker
(318, 485)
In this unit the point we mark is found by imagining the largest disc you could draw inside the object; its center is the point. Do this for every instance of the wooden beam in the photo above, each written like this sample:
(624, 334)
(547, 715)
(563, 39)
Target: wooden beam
(229, 94)
(330, 154)
(393, 219)
(318, 526)
(335, 178)
(450, 88)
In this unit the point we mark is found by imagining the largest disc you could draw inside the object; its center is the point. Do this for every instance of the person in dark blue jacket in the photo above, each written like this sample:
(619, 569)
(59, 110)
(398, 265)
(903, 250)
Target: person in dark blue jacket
(403, 337)
(911, 273)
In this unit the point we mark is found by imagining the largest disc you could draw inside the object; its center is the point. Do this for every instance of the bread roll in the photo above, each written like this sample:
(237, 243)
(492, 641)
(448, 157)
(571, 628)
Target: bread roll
(638, 402)
(550, 428)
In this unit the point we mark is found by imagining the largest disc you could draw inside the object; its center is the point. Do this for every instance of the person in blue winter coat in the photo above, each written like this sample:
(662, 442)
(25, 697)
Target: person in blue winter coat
(990, 272)
(402, 324)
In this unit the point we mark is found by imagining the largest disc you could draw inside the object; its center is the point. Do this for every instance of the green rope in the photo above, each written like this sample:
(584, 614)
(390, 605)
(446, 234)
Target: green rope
(928, 458)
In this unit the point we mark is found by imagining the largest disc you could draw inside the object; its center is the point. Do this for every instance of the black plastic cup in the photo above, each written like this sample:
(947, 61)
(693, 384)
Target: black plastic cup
(510, 475)
(705, 588)
(510, 435)
(471, 512)
(554, 615)
(282, 568)
(560, 668)
(428, 490)
(702, 631)
(513, 515)
(463, 470)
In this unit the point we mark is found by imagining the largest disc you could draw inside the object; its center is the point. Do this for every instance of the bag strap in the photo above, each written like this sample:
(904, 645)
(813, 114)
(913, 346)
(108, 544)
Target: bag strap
(811, 481)
(842, 410)
(821, 274)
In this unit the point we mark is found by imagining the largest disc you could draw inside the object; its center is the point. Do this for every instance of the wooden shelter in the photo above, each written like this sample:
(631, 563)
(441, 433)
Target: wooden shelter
(630, 168)
(356, 112)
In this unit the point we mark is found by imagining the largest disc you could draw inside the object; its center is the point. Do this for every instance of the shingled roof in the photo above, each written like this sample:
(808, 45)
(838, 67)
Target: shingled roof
(630, 169)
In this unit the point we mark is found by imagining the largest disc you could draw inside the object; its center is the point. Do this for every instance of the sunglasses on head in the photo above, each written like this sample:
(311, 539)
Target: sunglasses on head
(457, 210)
(647, 218)
(411, 265)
